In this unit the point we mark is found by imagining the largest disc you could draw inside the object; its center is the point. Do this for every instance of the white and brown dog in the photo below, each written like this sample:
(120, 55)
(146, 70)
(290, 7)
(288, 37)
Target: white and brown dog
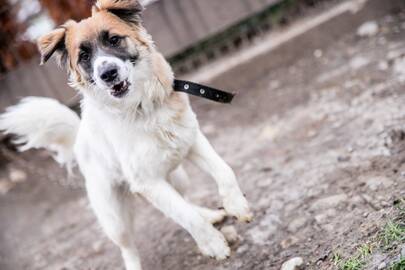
(135, 131)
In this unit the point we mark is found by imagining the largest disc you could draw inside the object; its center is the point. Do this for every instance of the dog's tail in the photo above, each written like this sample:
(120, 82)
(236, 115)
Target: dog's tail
(43, 123)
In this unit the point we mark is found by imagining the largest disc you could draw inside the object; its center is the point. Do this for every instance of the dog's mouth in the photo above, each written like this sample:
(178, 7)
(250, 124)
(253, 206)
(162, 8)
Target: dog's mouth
(120, 89)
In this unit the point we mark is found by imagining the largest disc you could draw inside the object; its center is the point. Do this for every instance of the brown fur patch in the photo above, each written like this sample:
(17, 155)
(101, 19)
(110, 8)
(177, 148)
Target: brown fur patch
(88, 30)
(178, 102)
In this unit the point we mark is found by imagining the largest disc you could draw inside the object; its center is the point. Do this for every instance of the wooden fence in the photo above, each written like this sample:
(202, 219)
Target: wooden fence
(177, 24)
(174, 24)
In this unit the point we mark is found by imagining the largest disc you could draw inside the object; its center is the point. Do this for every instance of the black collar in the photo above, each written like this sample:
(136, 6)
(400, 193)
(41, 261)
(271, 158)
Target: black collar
(202, 91)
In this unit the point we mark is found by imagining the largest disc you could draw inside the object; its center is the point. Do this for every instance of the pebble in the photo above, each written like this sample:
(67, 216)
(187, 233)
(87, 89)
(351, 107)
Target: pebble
(368, 29)
(376, 183)
(318, 53)
(399, 66)
(382, 265)
(97, 246)
(324, 216)
(403, 251)
(329, 202)
(383, 65)
(5, 186)
(230, 233)
(297, 224)
(286, 243)
(269, 133)
(209, 129)
(359, 62)
(343, 158)
(293, 264)
(17, 176)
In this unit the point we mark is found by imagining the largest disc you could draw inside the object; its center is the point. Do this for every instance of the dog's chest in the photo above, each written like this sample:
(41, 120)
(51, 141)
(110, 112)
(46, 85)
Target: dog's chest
(149, 148)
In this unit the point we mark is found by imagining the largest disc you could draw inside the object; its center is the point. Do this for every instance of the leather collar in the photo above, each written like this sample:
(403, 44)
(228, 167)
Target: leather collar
(200, 90)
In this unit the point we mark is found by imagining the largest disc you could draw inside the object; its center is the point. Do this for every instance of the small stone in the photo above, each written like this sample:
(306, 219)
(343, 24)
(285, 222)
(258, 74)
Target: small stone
(269, 133)
(399, 66)
(329, 202)
(209, 129)
(5, 186)
(383, 66)
(230, 233)
(318, 53)
(324, 216)
(274, 85)
(17, 176)
(376, 183)
(343, 158)
(297, 224)
(382, 41)
(382, 265)
(97, 246)
(359, 62)
(403, 251)
(293, 264)
(263, 183)
(286, 243)
(368, 29)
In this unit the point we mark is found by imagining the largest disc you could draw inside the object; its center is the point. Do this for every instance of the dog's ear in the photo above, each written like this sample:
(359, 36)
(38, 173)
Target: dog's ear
(53, 42)
(127, 10)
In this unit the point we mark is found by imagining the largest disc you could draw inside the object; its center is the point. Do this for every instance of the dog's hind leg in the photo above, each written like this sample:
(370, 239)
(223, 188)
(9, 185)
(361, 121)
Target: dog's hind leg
(114, 209)
(179, 180)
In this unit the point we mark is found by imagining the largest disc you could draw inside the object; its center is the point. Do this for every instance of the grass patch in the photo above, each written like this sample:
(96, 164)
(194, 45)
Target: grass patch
(337, 259)
(365, 250)
(400, 265)
(352, 264)
(356, 262)
(392, 234)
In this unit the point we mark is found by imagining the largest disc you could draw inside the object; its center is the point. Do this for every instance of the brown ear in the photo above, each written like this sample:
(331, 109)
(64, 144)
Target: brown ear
(127, 10)
(51, 43)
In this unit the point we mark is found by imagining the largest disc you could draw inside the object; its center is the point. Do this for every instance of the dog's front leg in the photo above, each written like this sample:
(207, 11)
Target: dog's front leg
(163, 196)
(114, 210)
(204, 156)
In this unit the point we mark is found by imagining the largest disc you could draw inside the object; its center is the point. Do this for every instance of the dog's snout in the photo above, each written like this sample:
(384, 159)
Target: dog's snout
(109, 74)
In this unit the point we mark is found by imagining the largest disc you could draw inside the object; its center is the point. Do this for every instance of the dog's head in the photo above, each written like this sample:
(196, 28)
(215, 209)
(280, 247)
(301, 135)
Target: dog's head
(107, 54)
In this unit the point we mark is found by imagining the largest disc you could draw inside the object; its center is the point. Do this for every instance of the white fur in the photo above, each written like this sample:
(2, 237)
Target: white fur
(43, 122)
(130, 146)
(123, 70)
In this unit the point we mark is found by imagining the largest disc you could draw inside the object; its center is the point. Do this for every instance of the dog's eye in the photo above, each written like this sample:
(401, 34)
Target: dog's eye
(114, 41)
(84, 56)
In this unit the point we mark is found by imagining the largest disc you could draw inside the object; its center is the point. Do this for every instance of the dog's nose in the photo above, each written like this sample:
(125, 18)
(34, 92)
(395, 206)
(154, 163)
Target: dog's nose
(110, 74)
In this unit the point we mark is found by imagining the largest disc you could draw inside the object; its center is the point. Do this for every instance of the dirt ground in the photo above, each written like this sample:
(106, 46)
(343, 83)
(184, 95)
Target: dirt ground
(318, 147)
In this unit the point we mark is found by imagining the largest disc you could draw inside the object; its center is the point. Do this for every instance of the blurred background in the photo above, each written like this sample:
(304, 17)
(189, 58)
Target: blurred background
(188, 33)
(316, 136)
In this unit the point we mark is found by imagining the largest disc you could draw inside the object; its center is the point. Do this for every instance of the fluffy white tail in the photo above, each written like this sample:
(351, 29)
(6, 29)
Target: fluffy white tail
(43, 123)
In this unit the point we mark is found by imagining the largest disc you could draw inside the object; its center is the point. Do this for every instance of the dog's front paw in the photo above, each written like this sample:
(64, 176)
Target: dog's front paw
(236, 205)
(215, 246)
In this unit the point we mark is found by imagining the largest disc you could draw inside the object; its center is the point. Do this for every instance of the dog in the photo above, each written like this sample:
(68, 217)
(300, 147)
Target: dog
(134, 130)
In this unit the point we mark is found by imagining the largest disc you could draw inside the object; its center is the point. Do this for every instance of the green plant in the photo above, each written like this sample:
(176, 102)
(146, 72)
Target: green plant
(393, 232)
(336, 259)
(354, 263)
(400, 265)
(365, 250)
